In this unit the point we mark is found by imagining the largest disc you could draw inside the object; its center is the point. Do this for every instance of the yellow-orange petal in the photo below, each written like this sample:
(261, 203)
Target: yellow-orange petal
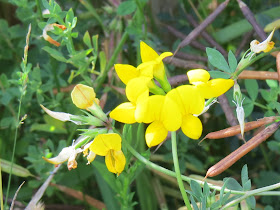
(137, 87)
(83, 96)
(115, 161)
(147, 53)
(103, 143)
(191, 126)
(155, 133)
(124, 113)
(126, 72)
(215, 87)
(198, 76)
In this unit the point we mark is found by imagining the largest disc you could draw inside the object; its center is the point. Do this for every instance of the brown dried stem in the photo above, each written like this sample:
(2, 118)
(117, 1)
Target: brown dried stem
(251, 19)
(191, 36)
(206, 36)
(233, 157)
(260, 75)
(184, 64)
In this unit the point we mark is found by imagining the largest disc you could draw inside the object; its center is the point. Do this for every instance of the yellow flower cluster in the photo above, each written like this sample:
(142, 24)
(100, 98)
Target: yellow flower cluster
(168, 109)
(104, 144)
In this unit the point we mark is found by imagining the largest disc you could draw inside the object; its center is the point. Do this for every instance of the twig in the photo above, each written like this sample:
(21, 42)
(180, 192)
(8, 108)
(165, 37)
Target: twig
(251, 19)
(178, 79)
(183, 64)
(206, 36)
(180, 35)
(15, 196)
(227, 110)
(261, 75)
(188, 56)
(278, 66)
(202, 26)
(38, 195)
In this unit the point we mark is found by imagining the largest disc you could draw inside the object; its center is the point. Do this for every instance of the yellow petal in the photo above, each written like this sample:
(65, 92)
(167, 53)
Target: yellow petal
(124, 113)
(62, 156)
(188, 99)
(158, 70)
(191, 126)
(126, 72)
(146, 69)
(147, 53)
(83, 96)
(136, 87)
(103, 143)
(155, 133)
(198, 76)
(269, 47)
(215, 87)
(115, 161)
(171, 116)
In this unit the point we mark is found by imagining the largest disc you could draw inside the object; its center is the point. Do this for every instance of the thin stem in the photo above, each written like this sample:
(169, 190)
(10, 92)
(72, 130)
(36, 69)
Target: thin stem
(260, 105)
(251, 193)
(187, 179)
(1, 189)
(39, 9)
(14, 149)
(177, 170)
(102, 77)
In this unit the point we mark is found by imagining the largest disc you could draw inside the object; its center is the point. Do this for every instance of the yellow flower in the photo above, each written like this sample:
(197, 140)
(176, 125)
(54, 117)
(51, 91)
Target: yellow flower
(264, 46)
(152, 60)
(136, 90)
(109, 145)
(163, 114)
(83, 96)
(208, 88)
(190, 103)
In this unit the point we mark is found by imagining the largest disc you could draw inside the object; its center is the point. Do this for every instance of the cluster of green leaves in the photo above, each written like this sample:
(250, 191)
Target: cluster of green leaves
(208, 200)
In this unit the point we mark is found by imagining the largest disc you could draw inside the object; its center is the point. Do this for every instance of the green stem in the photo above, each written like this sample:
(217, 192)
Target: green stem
(240, 69)
(100, 80)
(14, 149)
(177, 170)
(251, 193)
(1, 188)
(39, 9)
(260, 105)
(187, 179)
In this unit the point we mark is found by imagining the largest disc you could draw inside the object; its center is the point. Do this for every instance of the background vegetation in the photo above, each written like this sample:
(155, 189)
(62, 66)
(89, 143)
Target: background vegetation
(98, 35)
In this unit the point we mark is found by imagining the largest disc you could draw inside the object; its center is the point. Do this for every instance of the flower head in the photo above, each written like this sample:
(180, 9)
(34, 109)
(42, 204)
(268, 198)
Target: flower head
(190, 103)
(163, 114)
(109, 145)
(208, 88)
(264, 46)
(50, 27)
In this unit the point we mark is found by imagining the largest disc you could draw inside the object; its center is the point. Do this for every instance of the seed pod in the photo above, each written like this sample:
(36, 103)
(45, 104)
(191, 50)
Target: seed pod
(229, 160)
(234, 130)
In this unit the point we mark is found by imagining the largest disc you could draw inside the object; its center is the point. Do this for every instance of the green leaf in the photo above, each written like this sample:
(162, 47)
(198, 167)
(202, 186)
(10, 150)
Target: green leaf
(145, 191)
(232, 61)
(248, 106)
(194, 205)
(272, 83)
(17, 169)
(69, 17)
(103, 61)
(251, 201)
(206, 190)
(252, 88)
(232, 184)
(86, 40)
(196, 189)
(266, 95)
(219, 74)
(55, 54)
(126, 8)
(217, 59)
(244, 175)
